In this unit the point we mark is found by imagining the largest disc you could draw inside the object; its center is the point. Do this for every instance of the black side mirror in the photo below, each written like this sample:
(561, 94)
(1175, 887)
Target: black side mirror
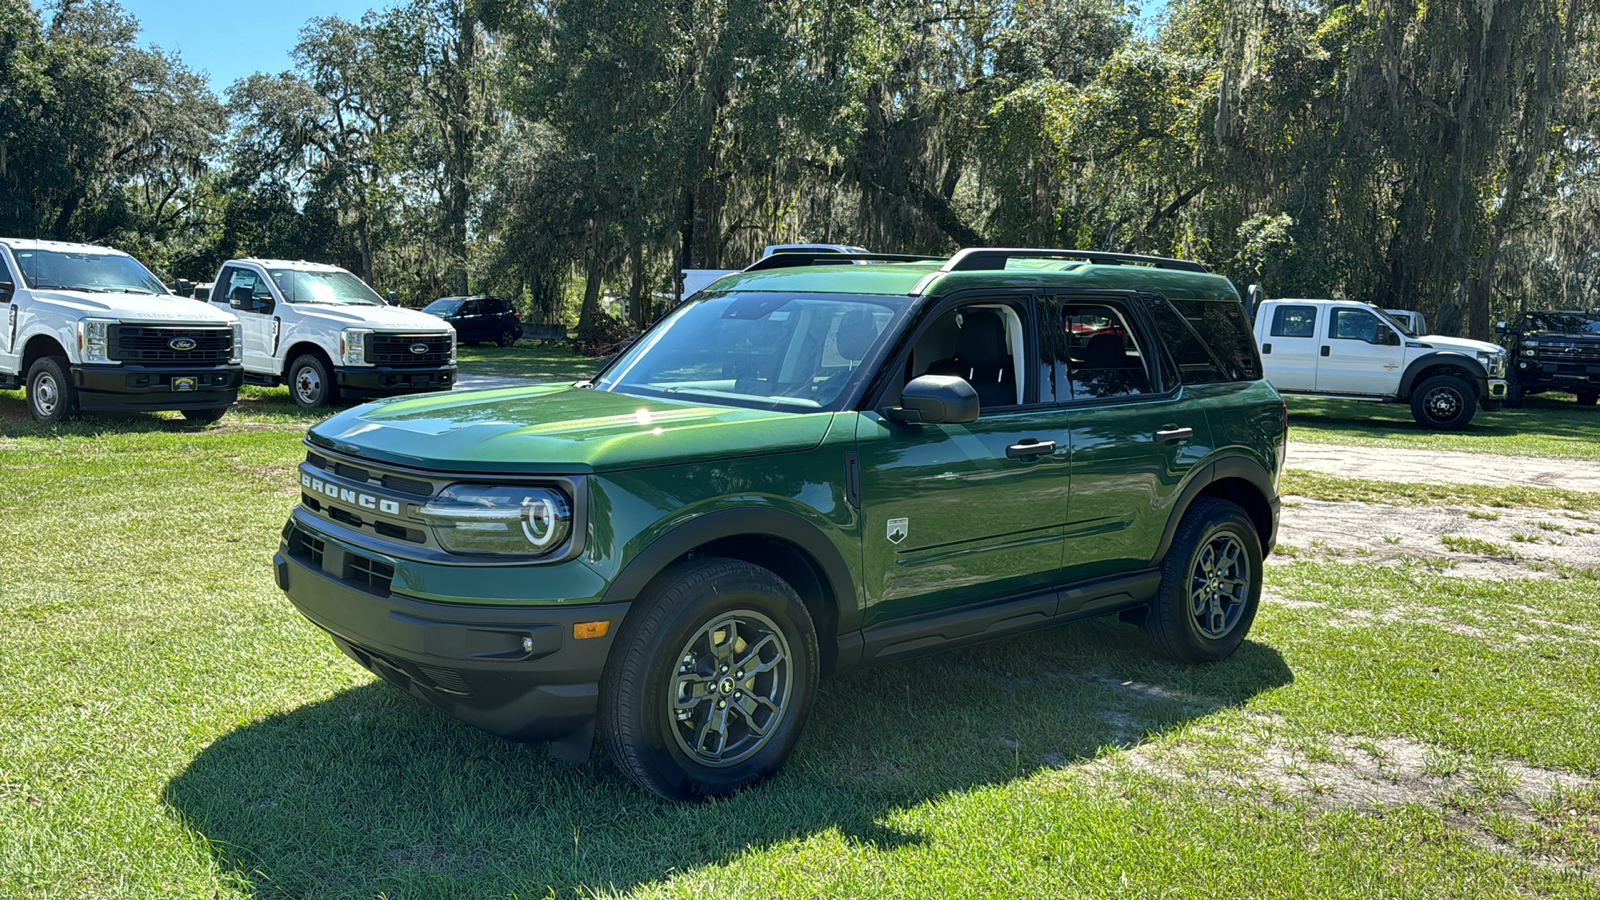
(392, 298)
(936, 400)
(183, 288)
(1387, 338)
(7, 288)
(1500, 328)
(1253, 297)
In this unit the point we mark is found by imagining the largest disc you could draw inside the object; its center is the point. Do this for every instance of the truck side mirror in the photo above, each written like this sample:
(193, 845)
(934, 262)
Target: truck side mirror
(1500, 328)
(183, 288)
(1254, 296)
(392, 298)
(935, 400)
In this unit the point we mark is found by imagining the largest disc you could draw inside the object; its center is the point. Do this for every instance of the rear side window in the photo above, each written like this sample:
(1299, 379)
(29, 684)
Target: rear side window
(1209, 339)
(1294, 321)
(1103, 356)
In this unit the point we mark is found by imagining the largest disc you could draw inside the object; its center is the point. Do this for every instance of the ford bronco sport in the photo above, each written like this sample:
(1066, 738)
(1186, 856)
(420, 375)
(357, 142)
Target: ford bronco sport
(831, 461)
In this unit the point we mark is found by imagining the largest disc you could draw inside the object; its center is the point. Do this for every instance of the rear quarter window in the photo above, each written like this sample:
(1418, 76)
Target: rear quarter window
(1216, 346)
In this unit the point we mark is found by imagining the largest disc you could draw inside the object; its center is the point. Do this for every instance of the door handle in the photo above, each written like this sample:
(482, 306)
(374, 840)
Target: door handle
(1325, 349)
(1030, 447)
(1173, 433)
(1266, 349)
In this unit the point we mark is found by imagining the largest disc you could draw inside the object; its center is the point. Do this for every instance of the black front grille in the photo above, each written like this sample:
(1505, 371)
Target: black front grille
(1569, 353)
(399, 483)
(400, 350)
(368, 574)
(162, 345)
(307, 549)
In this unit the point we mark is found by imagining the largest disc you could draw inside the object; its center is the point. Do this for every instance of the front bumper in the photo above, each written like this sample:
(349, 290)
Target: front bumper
(1494, 392)
(145, 388)
(1554, 374)
(392, 380)
(515, 672)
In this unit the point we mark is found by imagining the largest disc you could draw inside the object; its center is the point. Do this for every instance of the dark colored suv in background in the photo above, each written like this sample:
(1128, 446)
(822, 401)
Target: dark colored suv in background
(1553, 350)
(480, 318)
(831, 461)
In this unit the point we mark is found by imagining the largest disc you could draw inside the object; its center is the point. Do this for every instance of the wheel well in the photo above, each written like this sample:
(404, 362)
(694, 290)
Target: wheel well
(37, 348)
(301, 349)
(798, 568)
(1247, 497)
(1444, 369)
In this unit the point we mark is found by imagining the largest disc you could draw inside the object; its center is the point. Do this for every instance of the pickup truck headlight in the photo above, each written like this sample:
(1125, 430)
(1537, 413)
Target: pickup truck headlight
(237, 356)
(94, 336)
(1494, 364)
(452, 346)
(499, 520)
(353, 346)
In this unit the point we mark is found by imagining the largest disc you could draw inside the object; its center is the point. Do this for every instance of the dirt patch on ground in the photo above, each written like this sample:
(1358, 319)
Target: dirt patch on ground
(1444, 467)
(1462, 541)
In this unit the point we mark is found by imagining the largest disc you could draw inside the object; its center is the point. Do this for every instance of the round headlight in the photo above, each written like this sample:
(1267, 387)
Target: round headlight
(499, 519)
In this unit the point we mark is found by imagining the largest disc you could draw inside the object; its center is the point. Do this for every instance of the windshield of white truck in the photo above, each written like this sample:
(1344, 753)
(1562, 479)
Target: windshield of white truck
(100, 273)
(300, 286)
(768, 351)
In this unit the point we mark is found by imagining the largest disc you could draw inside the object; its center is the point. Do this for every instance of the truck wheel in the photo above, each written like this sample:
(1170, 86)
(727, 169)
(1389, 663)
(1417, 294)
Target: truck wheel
(1513, 392)
(1587, 398)
(710, 681)
(311, 381)
(51, 396)
(204, 416)
(1444, 403)
(508, 337)
(1210, 585)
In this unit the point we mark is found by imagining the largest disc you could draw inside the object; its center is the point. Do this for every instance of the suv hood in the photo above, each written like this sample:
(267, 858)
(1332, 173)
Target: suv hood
(383, 318)
(558, 429)
(1440, 342)
(135, 307)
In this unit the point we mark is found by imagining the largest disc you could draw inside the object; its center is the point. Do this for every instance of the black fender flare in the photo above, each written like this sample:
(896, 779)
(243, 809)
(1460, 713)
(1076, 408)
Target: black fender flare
(1443, 358)
(1241, 467)
(644, 567)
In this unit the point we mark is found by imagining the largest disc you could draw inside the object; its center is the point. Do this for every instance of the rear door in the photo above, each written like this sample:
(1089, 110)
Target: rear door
(1292, 347)
(961, 514)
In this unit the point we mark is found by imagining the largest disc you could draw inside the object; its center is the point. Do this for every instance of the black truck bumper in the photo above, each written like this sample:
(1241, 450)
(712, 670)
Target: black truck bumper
(146, 388)
(392, 380)
(516, 672)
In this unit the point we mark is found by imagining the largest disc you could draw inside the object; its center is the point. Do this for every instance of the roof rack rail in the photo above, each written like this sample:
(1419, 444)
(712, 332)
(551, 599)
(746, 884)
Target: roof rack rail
(975, 259)
(794, 258)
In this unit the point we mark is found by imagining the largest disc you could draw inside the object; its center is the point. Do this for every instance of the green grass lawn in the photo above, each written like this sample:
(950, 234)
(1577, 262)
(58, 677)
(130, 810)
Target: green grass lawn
(1547, 425)
(539, 361)
(173, 728)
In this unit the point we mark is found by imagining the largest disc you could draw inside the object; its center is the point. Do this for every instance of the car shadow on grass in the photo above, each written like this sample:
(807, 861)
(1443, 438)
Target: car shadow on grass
(370, 793)
(1555, 416)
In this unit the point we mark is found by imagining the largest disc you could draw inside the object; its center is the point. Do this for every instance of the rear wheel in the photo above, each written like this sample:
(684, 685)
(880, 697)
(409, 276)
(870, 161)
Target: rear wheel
(1444, 403)
(1587, 398)
(311, 381)
(711, 680)
(508, 337)
(1210, 585)
(51, 396)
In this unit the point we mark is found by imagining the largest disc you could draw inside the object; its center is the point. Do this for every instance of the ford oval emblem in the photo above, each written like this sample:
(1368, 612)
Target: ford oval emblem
(181, 344)
(419, 348)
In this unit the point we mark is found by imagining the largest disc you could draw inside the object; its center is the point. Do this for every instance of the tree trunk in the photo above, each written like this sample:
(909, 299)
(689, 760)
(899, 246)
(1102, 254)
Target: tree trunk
(589, 315)
(636, 299)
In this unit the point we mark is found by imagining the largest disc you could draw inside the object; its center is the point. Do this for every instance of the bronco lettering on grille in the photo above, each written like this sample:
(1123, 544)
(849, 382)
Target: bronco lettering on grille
(346, 495)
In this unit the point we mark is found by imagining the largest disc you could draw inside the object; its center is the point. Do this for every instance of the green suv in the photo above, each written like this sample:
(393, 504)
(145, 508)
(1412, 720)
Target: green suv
(825, 462)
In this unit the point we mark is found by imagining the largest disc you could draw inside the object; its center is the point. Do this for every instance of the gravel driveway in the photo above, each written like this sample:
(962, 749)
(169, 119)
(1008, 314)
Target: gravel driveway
(1445, 467)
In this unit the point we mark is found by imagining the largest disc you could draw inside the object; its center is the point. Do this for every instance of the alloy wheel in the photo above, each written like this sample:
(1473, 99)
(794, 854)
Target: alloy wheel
(731, 688)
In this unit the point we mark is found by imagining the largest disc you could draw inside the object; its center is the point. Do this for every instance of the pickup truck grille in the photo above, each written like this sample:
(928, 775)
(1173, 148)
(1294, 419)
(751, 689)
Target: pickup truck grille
(1564, 352)
(159, 345)
(399, 350)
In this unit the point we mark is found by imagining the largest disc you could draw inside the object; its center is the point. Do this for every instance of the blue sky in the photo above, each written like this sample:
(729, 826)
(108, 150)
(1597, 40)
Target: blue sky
(229, 39)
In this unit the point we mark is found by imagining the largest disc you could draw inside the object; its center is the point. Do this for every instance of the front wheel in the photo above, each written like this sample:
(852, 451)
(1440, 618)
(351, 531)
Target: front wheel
(1587, 398)
(710, 681)
(204, 416)
(311, 381)
(51, 397)
(1443, 403)
(1210, 585)
(1513, 392)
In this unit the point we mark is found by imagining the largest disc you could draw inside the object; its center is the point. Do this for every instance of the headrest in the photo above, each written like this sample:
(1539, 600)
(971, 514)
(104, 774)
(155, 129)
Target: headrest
(1104, 351)
(857, 331)
(982, 341)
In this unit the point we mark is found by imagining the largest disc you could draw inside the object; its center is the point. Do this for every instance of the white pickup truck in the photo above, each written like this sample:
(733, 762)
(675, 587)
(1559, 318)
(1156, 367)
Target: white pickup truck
(1356, 351)
(89, 328)
(322, 331)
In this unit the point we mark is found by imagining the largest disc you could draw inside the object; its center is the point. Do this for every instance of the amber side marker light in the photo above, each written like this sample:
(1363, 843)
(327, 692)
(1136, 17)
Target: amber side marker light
(585, 630)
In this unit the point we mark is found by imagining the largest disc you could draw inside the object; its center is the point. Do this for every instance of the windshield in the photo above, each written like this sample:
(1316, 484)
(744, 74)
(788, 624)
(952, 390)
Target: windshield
(443, 306)
(1399, 324)
(1564, 322)
(300, 286)
(769, 351)
(99, 273)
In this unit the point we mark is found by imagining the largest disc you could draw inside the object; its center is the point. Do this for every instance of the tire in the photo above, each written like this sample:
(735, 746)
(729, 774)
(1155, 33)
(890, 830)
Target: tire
(51, 397)
(682, 637)
(204, 416)
(508, 337)
(1214, 563)
(1587, 398)
(1513, 392)
(1443, 403)
(311, 381)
